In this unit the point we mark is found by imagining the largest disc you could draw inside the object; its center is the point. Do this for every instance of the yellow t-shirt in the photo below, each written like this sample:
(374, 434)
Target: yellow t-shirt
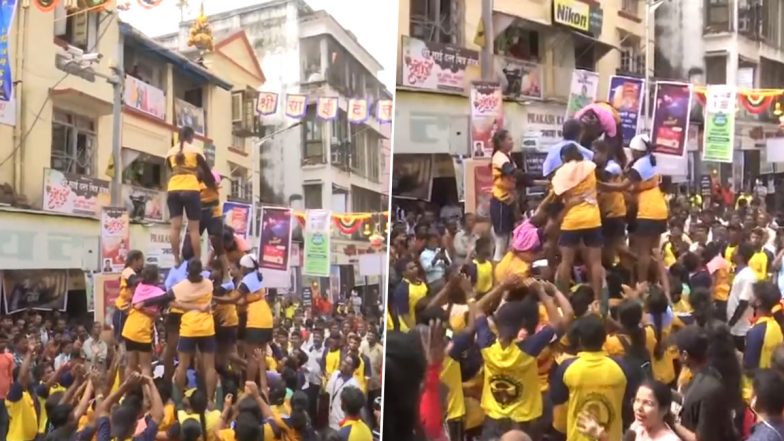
(503, 186)
(416, 292)
(512, 264)
(612, 204)
(123, 301)
(586, 214)
(391, 324)
(759, 264)
(651, 204)
(452, 378)
(184, 177)
(510, 384)
(259, 314)
(196, 323)
(138, 326)
(210, 198)
(225, 315)
(484, 277)
(23, 425)
(211, 419)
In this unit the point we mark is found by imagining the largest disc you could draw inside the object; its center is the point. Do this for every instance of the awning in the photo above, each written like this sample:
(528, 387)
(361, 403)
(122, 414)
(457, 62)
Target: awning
(601, 47)
(80, 102)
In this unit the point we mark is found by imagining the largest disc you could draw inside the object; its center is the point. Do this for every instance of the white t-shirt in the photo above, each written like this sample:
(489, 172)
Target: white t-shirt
(335, 386)
(741, 290)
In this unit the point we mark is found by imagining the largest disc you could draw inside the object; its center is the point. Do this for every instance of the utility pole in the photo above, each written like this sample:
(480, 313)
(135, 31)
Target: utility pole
(118, 82)
(650, 8)
(488, 71)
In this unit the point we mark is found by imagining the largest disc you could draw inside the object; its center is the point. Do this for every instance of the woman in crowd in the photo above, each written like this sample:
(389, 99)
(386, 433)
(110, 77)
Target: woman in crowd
(502, 207)
(139, 327)
(134, 263)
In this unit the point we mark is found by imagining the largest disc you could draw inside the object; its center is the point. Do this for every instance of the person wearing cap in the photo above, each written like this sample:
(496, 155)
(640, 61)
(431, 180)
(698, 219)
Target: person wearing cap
(258, 329)
(650, 220)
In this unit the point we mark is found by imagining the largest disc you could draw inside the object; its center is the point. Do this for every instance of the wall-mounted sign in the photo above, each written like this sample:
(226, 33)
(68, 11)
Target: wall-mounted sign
(579, 15)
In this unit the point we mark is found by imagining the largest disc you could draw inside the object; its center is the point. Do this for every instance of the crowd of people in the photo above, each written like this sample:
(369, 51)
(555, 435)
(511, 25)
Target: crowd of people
(614, 310)
(207, 353)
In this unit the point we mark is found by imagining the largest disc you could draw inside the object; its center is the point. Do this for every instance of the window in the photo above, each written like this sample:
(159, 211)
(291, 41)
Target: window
(436, 20)
(358, 148)
(584, 55)
(314, 135)
(310, 59)
(241, 186)
(717, 15)
(312, 196)
(716, 70)
(632, 59)
(73, 143)
(631, 7)
(236, 107)
(143, 170)
(78, 30)
(340, 140)
(238, 142)
(374, 165)
(518, 42)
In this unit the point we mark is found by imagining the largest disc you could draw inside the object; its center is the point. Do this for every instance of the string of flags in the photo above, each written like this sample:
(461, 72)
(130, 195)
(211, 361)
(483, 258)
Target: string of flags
(296, 106)
(755, 101)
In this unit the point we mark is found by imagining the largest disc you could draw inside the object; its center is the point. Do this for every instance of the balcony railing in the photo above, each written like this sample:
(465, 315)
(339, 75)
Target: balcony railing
(144, 97)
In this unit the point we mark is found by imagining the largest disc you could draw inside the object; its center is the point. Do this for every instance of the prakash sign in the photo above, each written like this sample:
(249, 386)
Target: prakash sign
(578, 15)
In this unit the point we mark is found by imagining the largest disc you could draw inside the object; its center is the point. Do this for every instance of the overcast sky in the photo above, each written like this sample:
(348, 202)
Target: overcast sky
(378, 34)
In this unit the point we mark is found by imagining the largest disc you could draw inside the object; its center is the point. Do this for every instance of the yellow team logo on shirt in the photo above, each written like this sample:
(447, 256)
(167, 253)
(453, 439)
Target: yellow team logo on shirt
(506, 390)
(599, 406)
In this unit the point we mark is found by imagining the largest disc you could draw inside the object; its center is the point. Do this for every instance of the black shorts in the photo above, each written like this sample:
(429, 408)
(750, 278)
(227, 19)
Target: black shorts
(650, 227)
(131, 345)
(258, 336)
(189, 345)
(173, 320)
(226, 336)
(613, 228)
(243, 316)
(213, 225)
(501, 216)
(184, 200)
(590, 237)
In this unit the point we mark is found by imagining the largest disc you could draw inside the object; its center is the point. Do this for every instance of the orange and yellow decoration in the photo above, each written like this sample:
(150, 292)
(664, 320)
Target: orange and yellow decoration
(755, 101)
(350, 223)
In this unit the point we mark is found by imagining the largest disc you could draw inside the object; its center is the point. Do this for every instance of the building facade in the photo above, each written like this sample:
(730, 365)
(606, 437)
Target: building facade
(312, 164)
(60, 138)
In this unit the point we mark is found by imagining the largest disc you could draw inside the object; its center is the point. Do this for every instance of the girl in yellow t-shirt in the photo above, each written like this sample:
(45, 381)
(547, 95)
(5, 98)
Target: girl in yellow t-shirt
(258, 329)
(138, 330)
(502, 205)
(575, 183)
(611, 204)
(134, 263)
(188, 167)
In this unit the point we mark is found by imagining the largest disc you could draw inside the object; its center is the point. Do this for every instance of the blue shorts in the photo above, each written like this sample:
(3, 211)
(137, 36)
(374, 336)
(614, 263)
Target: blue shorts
(501, 216)
(650, 227)
(590, 237)
(613, 227)
(189, 345)
(226, 336)
(118, 322)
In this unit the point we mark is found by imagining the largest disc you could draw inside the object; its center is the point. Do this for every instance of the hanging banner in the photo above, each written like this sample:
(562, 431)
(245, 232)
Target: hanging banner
(583, 91)
(267, 103)
(89, 290)
(36, 289)
(327, 107)
(296, 106)
(317, 243)
(144, 97)
(672, 104)
(384, 109)
(357, 111)
(237, 216)
(438, 67)
(186, 114)
(487, 116)
(719, 136)
(275, 240)
(626, 96)
(115, 239)
(74, 194)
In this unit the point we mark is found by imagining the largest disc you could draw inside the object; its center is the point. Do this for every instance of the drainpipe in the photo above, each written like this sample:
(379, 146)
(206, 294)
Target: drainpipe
(20, 52)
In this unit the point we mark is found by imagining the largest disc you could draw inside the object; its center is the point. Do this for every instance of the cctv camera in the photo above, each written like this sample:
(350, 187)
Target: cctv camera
(92, 58)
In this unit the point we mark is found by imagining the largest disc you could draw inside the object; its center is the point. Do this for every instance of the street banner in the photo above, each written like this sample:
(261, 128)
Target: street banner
(523, 78)
(237, 216)
(267, 103)
(327, 108)
(7, 101)
(296, 105)
(478, 186)
(68, 193)
(115, 239)
(719, 136)
(437, 67)
(358, 111)
(626, 96)
(672, 104)
(583, 91)
(487, 116)
(275, 241)
(36, 289)
(317, 243)
(384, 111)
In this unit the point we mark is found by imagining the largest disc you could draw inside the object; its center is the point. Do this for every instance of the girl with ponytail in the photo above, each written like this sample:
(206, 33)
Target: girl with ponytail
(188, 167)
(258, 329)
(502, 204)
(196, 412)
(661, 315)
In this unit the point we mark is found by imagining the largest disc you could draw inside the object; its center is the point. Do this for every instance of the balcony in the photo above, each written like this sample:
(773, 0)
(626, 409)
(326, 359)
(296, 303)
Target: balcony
(144, 98)
(186, 114)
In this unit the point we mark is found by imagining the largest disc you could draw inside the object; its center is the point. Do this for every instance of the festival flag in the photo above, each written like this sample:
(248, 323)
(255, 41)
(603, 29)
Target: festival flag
(296, 105)
(357, 110)
(327, 107)
(384, 111)
(267, 103)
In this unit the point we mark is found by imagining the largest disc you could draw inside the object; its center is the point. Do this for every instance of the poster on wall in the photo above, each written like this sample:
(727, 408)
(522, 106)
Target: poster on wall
(626, 96)
(521, 79)
(672, 104)
(89, 290)
(719, 135)
(186, 114)
(275, 240)
(583, 90)
(237, 216)
(35, 289)
(487, 116)
(158, 250)
(478, 184)
(317, 243)
(68, 193)
(115, 239)
(107, 289)
(437, 67)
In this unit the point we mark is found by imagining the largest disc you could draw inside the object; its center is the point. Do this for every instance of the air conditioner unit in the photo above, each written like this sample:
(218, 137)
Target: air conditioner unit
(236, 108)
